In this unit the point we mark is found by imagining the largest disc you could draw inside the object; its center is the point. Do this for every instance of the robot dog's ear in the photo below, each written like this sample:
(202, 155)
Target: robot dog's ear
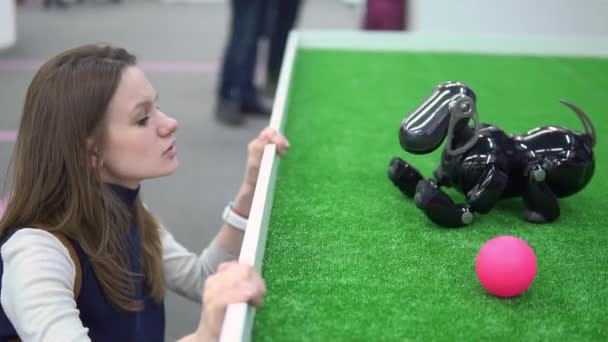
(461, 110)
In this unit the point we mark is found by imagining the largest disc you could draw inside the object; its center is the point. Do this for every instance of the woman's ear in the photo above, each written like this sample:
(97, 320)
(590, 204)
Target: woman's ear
(96, 161)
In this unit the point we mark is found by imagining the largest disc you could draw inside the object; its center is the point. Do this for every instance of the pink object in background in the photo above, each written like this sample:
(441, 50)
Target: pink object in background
(2, 207)
(3, 201)
(385, 15)
(506, 266)
(8, 136)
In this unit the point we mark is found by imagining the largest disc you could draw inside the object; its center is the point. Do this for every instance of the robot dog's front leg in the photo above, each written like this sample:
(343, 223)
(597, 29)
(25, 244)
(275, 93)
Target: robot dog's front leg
(404, 176)
(442, 210)
(439, 207)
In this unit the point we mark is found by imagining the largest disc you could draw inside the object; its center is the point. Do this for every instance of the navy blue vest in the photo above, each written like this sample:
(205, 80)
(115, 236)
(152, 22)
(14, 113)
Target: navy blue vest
(106, 323)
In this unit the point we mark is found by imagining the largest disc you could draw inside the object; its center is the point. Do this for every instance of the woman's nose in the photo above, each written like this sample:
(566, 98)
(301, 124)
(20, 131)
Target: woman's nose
(168, 126)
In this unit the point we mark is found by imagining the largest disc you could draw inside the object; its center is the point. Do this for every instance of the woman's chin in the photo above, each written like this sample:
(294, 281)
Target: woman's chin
(168, 170)
(173, 167)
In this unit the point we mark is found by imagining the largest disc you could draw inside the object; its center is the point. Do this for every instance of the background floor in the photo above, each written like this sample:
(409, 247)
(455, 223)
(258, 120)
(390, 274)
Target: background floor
(181, 46)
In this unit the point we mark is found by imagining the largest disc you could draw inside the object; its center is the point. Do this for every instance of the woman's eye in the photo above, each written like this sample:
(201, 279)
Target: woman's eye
(143, 121)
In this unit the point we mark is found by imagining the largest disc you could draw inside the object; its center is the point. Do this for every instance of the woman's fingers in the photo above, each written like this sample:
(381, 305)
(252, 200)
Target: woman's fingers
(234, 282)
(271, 136)
(258, 291)
(255, 150)
(225, 265)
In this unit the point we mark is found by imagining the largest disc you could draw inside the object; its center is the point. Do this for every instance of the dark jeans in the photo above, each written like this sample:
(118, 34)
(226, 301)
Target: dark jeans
(241, 51)
(249, 19)
(285, 13)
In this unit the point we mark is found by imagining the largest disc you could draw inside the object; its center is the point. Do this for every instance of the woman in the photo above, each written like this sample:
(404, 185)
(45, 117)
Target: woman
(82, 257)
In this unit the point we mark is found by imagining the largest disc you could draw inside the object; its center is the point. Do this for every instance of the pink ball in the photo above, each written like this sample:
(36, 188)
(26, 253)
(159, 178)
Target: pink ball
(506, 266)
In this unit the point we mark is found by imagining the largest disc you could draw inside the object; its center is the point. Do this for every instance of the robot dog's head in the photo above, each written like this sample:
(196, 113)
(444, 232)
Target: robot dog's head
(446, 110)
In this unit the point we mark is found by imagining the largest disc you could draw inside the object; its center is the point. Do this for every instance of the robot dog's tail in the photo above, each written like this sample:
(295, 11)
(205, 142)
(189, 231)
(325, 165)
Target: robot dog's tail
(584, 118)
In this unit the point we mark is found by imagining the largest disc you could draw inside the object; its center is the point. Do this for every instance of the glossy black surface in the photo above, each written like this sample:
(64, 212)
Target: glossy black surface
(424, 129)
(542, 165)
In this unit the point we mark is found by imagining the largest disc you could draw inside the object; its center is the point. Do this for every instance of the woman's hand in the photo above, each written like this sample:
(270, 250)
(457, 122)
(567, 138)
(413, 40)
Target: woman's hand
(233, 283)
(242, 203)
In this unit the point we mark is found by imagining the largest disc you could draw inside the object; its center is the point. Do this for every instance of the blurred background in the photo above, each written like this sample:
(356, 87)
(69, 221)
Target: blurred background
(180, 44)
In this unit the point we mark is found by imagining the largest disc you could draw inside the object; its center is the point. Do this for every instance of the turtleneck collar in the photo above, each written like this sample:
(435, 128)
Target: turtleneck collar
(126, 195)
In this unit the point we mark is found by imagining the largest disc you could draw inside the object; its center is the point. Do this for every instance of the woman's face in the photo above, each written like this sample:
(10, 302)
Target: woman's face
(139, 140)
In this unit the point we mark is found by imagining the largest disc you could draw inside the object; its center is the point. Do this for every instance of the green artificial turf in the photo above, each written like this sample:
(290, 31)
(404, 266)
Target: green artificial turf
(348, 257)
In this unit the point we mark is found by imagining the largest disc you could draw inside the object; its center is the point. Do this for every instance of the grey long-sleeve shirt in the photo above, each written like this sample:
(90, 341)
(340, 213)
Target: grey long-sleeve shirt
(28, 282)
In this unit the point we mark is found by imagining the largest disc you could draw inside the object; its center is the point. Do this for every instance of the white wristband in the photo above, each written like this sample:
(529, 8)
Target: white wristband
(234, 219)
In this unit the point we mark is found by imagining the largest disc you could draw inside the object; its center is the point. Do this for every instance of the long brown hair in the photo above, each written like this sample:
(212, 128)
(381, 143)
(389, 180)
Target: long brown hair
(56, 187)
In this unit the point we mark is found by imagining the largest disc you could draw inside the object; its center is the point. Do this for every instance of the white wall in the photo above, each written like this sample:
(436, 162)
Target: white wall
(543, 17)
(7, 23)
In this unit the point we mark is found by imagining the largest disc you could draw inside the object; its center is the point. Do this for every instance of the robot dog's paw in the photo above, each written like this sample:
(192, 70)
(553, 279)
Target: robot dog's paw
(534, 217)
(426, 190)
(404, 176)
(439, 207)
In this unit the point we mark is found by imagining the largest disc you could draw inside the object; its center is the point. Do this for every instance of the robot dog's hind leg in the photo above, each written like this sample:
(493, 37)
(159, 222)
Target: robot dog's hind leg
(541, 202)
(404, 176)
(548, 181)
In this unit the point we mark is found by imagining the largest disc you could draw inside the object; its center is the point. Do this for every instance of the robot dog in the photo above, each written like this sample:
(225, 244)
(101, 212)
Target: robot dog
(486, 164)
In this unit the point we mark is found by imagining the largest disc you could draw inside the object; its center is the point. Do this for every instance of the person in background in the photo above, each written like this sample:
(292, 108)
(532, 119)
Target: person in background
(82, 257)
(251, 20)
(282, 17)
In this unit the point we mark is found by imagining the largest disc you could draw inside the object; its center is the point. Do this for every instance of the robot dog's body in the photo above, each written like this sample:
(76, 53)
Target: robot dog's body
(486, 164)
